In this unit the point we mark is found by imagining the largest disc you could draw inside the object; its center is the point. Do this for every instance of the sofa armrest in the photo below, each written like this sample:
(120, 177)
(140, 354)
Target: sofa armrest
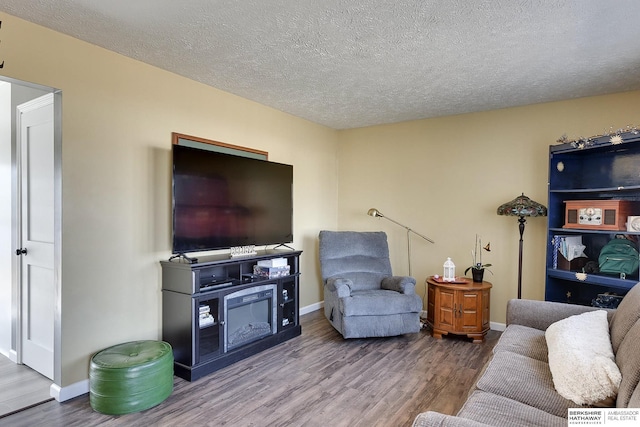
(402, 284)
(341, 287)
(541, 314)
(436, 419)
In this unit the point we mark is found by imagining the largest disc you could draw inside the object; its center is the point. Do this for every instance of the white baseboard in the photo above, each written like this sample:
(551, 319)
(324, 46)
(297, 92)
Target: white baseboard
(62, 394)
(495, 326)
(311, 308)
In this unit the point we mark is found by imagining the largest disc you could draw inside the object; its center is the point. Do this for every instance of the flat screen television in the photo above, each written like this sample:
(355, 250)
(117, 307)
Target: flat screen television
(223, 200)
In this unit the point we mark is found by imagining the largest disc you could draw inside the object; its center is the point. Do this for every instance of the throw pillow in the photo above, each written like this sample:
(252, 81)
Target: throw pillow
(581, 358)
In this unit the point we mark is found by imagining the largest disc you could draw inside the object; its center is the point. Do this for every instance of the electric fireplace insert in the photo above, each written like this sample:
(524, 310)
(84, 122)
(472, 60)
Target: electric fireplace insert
(250, 315)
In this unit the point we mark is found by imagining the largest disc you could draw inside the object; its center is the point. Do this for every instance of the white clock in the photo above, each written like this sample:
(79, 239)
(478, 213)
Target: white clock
(633, 223)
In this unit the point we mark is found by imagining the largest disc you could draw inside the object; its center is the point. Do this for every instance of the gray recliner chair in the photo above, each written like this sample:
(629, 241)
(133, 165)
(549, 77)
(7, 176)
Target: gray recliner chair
(361, 296)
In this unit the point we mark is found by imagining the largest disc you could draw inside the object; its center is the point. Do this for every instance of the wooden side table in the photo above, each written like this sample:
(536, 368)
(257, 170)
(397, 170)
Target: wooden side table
(458, 308)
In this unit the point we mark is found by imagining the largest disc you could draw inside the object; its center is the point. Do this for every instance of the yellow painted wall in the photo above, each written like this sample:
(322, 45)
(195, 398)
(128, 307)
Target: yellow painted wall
(445, 177)
(118, 115)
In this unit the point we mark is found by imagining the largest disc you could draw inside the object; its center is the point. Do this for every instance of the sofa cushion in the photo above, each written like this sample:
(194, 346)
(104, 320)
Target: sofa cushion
(541, 314)
(625, 317)
(378, 302)
(523, 379)
(523, 340)
(432, 419)
(628, 360)
(634, 402)
(380, 326)
(498, 410)
(581, 358)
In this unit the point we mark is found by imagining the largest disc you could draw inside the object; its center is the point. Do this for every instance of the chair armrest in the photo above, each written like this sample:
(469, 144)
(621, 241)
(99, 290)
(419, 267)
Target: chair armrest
(436, 419)
(402, 284)
(541, 314)
(342, 287)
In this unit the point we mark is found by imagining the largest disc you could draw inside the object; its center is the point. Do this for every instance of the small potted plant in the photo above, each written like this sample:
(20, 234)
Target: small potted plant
(477, 268)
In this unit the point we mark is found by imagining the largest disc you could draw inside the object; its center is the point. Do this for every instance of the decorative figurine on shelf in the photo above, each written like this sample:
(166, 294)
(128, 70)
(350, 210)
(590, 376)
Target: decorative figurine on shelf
(449, 271)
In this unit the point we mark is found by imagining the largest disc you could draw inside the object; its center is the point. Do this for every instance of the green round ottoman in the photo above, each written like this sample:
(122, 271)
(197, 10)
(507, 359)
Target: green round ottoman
(130, 377)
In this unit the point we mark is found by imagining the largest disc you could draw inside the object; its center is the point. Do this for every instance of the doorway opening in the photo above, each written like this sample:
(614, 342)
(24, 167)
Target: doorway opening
(13, 294)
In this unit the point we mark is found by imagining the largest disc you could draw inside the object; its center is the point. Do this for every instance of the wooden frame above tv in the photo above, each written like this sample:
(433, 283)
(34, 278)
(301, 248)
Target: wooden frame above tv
(221, 147)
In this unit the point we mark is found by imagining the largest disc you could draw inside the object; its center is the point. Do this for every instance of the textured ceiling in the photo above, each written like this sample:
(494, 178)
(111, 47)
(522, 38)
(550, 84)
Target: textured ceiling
(353, 63)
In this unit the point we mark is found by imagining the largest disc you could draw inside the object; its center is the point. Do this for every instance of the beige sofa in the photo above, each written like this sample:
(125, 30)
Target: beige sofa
(516, 387)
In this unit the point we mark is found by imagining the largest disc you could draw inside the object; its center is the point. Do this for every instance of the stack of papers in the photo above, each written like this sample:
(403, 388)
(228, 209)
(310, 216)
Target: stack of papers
(570, 247)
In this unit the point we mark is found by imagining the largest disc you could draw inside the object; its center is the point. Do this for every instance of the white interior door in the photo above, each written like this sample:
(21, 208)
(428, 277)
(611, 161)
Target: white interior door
(35, 133)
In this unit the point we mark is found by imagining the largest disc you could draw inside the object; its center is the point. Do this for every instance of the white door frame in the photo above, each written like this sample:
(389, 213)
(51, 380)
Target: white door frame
(37, 280)
(16, 227)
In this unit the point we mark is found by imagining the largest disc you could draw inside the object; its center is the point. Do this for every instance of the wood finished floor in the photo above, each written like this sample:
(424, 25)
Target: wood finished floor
(20, 387)
(317, 379)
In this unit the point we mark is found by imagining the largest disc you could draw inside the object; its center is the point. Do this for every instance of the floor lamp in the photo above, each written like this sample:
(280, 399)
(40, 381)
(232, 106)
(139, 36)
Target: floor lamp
(522, 207)
(376, 213)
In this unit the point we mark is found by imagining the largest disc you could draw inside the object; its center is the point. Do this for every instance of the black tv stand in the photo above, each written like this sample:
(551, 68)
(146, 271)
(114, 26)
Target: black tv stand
(188, 289)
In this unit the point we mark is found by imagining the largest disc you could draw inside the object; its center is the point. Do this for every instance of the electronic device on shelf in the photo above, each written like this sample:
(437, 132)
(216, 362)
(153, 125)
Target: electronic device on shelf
(218, 283)
(597, 214)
